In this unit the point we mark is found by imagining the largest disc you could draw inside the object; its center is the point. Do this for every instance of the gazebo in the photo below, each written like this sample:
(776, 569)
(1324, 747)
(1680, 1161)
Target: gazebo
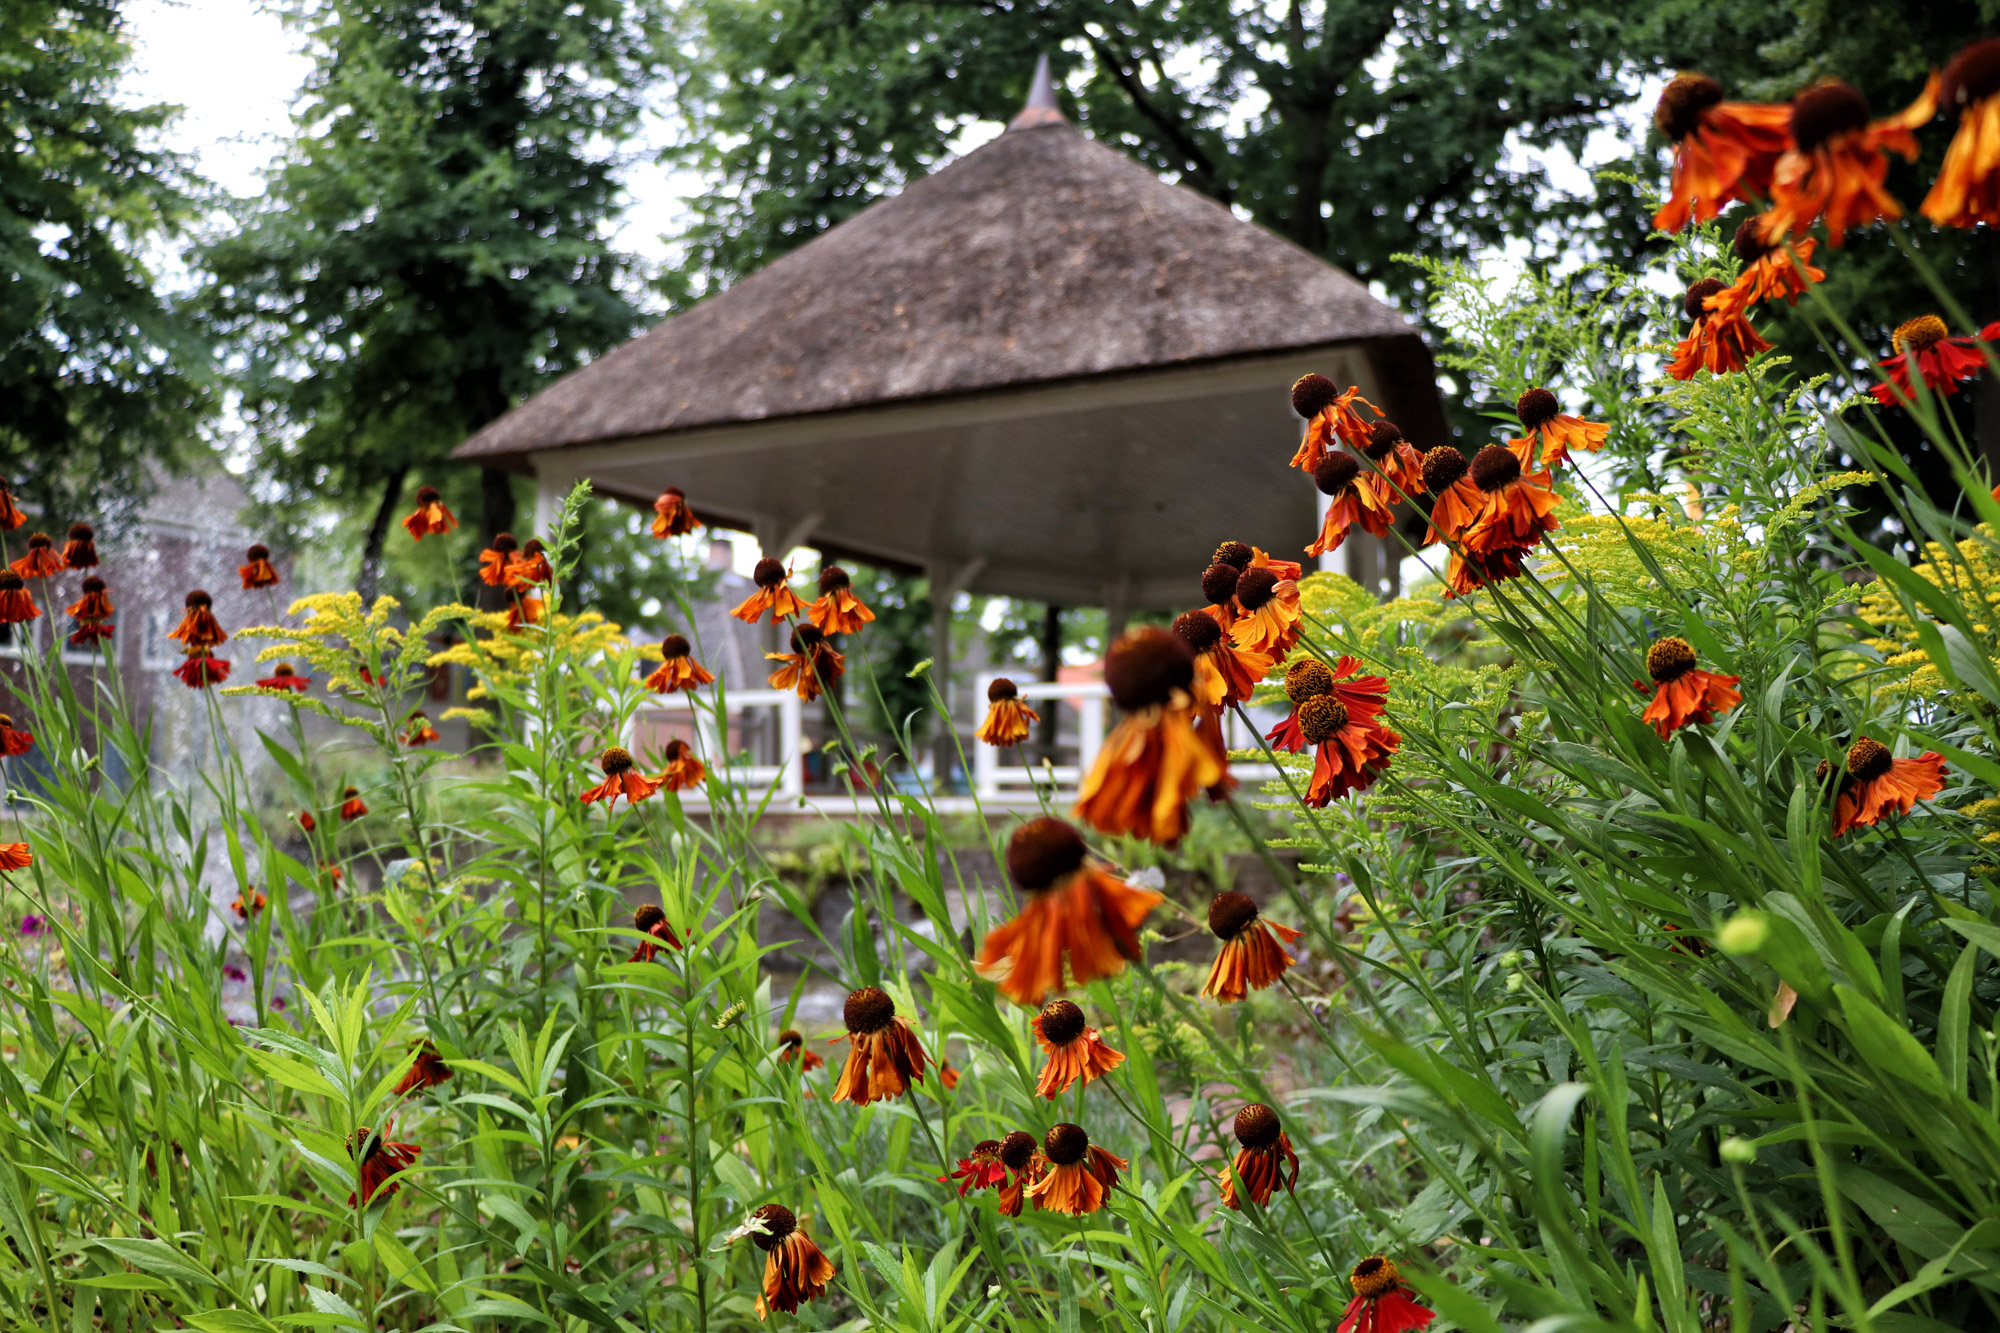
(1039, 372)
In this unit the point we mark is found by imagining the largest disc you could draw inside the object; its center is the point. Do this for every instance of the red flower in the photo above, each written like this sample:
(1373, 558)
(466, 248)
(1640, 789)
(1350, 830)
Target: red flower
(351, 805)
(284, 677)
(1381, 1304)
(1457, 503)
(419, 731)
(794, 1269)
(245, 910)
(307, 822)
(381, 1161)
(198, 626)
(1967, 190)
(620, 779)
(883, 1054)
(202, 669)
(257, 571)
(651, 922)
(13, 742)
(684, 768)
(1398, 473)
(530, 567)
(91, 631)
(981, 1169)
(430, 516)
(1262, 1160)
(15, 855)
(426, 1070)
(1081, 1175)
(792, 1044)
(1252, 955)
(1080, 922)
(1520, 505)
(11, 516)
(1722, 340)
(80, 551)
(1875, 783)
(1338, 476)
(493, 561)
(1021, 1154)
(1685, 692)
(671, 515)
(41, 560)
(1770, 272)
(1943, 361)
(1722, 150)
(812, 666)
(1838, 160)
(1552, 433)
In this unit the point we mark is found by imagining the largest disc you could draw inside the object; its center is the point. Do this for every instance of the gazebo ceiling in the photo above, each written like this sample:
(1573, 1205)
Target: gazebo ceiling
(1040, 358)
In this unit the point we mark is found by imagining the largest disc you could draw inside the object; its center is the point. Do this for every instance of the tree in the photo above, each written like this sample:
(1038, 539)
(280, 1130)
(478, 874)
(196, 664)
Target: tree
(432, 246)
(99, 373)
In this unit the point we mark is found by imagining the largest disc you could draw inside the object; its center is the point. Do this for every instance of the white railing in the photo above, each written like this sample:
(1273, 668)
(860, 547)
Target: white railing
(788, 773)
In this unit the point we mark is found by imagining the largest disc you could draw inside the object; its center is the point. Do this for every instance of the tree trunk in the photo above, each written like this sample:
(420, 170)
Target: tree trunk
(496, 497)
(369, 579)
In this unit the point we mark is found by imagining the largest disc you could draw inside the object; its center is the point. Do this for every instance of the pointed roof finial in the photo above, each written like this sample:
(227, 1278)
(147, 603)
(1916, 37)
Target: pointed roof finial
(1041, 108)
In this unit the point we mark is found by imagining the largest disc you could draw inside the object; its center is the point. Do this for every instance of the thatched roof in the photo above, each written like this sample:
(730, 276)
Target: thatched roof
(1041, 258)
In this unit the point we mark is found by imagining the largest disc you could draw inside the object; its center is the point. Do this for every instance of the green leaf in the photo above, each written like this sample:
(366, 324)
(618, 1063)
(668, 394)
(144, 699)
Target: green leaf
(157, 1257)
(1886, 1044)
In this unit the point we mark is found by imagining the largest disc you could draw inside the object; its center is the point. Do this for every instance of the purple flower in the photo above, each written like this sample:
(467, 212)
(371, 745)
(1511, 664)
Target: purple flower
(31, 924)
(235, 973)
(278, 1003)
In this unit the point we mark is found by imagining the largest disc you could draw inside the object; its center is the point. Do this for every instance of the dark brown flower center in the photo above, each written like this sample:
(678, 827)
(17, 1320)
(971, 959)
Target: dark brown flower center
(1147, 665)
(1218, 582)
(769, 573)
(1819, 113)
(1043, 851)
(10, 581)
(198, 600)
(284, 669)
(1257, 1126)
(1374, 1276)
(1681, 105)
(868, 1010)
(1536, 407)
(1336, 472)
(807, 638)
(80, 532)
(1972, 76)
(1495, 466)
(1322, 718)
(504, 543)
(1307, 678)
(93, 584)
(1750, 245)
(1062, 1022)
(674, 646)
(1017, 1149)
(1066, 1144)
(779, 1222)
(1254, 587)
(986, 1150)
(677, 750)
(1002, 688)
(1382, 437)
(1312, 395)
(1920, 334)
(1868, 759)
(349, 793)
(833, 578)
(534, 547)
(1229, 913)
(1234, 554)
(791, 1038)
(1669, 659)
(648, 917)
(427, 495)
(258, 552)
(40, 542)
(1443, 466)
(614, 761)
(1698, 292)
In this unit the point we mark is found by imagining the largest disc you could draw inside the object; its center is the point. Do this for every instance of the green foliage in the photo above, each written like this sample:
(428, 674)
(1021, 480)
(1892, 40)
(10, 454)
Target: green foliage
(100, 373)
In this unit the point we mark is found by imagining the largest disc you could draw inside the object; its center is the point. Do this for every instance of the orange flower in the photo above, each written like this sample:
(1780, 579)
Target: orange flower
(810, 667)
(1838, 160)
(89, 632)
(677, 670)
(1551, 432)
(1770, 272)
(15, 855)
(307, 822)
(11, 516)
(1218, 585)
(198, 627)
(258, 571)
(417, 730)
(981, 1169)
(80, 551)
(1252, 955)
(671, 515)
(1153, 762)
(1967, 189)
(493, 561)
(430, 516)
(41, 561)
(1261, 1161)
(13, 743)
(1876, 782)
(1021, 1154)
(1722, 341)
(244, 911)
(524, 611)
(1338, 476)
(530, 567)
(1007, 718)
(1382, 1303)
(1223, 673)
(285, 677)
(381, 1161)
(1080, 1176)
(1398, 473)
(947, 1075)
(351, 805)
(793, 1048)
(794, 1269)
(1267, 613)
(652, 922)
(620, 779)
(95, 605)
(774, 594)
(1457, 503)
(1329, 415)
(1686, 693)
(883, 1054)
(1722, 150)
(201, 669)
(1078, 913)
(1074, 1049)
(1350, 753)
(427, 1070)
(838, 610)
(1364, 697)
(1923, 344)
(1520, 504)
(684, 768)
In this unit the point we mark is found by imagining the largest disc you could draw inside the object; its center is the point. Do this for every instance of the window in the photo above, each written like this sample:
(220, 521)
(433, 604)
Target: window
(14, 639)
(155, 648)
